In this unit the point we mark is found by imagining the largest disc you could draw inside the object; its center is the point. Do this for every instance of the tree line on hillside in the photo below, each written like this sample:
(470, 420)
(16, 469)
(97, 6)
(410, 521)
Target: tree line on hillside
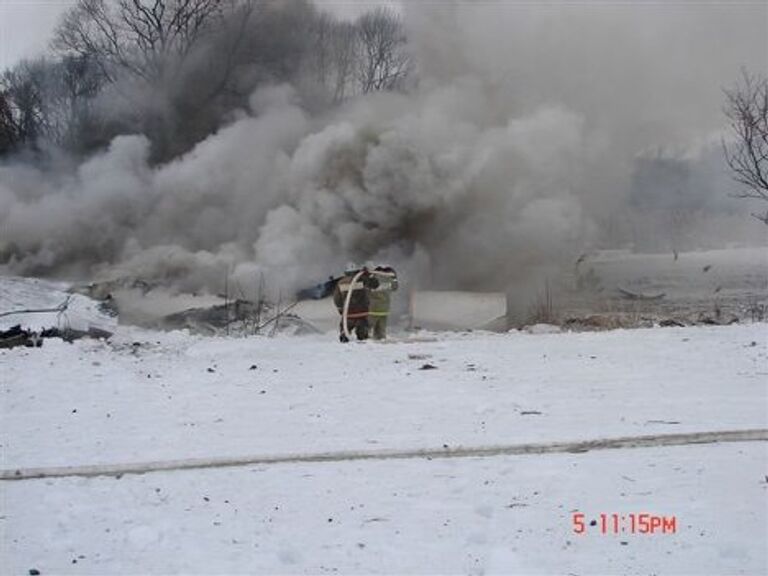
(176, 69)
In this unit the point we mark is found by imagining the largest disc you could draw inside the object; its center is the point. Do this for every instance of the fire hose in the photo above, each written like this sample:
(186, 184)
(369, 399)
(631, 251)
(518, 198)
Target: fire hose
(345, 312)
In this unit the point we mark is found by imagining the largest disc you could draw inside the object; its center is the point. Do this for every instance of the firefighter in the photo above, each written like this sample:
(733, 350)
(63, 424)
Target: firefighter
(380, 298)
(357, 314)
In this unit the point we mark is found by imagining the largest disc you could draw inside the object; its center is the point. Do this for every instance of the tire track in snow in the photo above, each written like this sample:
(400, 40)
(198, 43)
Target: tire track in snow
(656, 440)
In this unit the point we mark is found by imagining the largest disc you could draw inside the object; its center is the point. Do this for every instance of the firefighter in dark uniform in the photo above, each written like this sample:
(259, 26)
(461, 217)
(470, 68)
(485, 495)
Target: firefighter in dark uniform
(357, 314)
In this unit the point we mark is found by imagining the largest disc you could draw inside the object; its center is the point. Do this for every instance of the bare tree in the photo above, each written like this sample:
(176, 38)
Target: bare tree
(334, 56)
(174, 69)
(8, 135)
(170, 62)
(747, 110)
(343, 49)
(24, 101)
(140, 37)
(76, 82)
(384, 62)
(322, 33)
(49, 100)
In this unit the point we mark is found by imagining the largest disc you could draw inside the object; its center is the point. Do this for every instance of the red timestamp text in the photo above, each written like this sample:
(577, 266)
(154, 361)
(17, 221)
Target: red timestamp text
(642, 523)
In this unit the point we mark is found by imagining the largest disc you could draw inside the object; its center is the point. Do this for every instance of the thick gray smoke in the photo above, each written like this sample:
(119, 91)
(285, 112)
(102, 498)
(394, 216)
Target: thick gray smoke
(516, 151)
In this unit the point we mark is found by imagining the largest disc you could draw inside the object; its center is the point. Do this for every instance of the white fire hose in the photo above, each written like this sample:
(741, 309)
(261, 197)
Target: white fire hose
(346, 304)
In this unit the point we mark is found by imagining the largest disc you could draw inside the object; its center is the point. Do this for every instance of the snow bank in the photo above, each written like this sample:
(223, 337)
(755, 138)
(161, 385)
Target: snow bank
(81, 313)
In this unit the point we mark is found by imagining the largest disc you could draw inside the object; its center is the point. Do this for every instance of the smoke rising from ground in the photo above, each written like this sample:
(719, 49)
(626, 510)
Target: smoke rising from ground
(517, 150)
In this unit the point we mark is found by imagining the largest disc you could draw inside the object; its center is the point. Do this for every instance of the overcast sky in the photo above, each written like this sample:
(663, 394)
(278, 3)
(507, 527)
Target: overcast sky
(26, 25)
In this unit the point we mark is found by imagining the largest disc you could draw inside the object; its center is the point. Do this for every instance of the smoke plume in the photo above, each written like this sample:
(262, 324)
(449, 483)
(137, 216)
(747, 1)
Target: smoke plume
(516, 150)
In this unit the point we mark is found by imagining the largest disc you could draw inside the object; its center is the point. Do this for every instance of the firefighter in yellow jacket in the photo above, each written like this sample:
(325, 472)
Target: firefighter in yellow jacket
(380, 300)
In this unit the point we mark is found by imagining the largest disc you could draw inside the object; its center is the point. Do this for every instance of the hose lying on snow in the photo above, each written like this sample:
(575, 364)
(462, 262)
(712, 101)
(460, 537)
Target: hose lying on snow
(571, 447)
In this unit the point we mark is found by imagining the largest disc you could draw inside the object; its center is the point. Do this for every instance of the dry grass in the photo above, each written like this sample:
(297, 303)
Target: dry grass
(543, 309)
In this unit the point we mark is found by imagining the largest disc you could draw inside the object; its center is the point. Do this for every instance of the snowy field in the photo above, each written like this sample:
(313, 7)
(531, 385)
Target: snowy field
(152, 397)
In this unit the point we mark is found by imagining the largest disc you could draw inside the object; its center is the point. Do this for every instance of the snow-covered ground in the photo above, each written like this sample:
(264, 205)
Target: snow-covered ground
(149, 396)
(499, 515)
(735, 271)
(76, 311)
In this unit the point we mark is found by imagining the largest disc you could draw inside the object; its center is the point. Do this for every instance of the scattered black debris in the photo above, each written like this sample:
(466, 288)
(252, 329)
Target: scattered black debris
(593, 523)
(428, 366)
(593, 322)
(624, 542)
(717, 320)
(706, 268)
(530, 413)
(34, 572)
(211, 370)
(662, 422)
(70, 335)
(253, 367)
(206, 498)
(15, 336)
